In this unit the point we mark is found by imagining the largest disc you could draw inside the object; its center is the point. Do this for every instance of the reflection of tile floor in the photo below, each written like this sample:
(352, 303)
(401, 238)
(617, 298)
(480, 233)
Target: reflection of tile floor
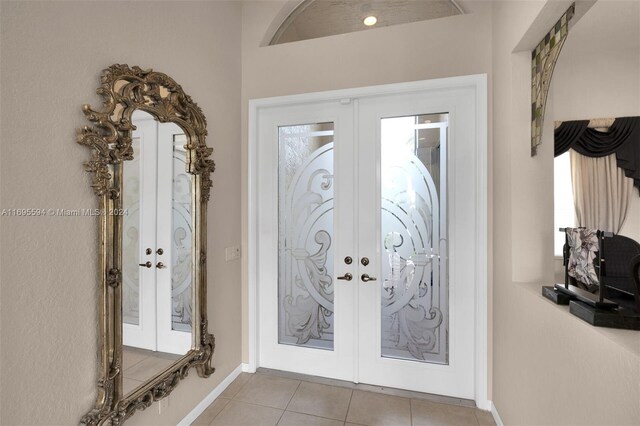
(273, 398)
(140, 365)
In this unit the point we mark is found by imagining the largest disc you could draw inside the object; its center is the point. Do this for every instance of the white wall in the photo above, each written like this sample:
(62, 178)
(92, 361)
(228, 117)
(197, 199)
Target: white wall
(549, 367)
(598, 75)
(51, 58)
(49, 66)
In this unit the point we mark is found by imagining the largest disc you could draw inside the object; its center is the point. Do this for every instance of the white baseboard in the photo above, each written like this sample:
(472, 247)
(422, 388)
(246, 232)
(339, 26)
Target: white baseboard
(199, 409)
(246, 368)
(483, 404)
(496, 416)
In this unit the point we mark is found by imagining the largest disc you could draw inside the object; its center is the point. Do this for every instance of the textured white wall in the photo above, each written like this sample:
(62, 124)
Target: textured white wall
(52, 54)
(549, 367)
(49, 66)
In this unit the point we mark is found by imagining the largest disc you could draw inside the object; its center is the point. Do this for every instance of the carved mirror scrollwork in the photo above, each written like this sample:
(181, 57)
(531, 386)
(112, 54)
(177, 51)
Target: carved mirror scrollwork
(130, 92)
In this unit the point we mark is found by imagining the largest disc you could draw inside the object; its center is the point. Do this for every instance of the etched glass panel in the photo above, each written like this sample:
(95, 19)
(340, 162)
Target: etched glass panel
(305, 251)
(182, 229)
(414, 285)
(131, 174)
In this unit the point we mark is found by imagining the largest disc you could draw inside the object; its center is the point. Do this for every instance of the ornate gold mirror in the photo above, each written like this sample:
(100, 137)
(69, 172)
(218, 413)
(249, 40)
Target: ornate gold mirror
(151, 171)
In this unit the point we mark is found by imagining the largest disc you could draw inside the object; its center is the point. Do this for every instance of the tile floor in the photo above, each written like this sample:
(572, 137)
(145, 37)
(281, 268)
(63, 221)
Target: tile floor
(269, 399)
(141, 365)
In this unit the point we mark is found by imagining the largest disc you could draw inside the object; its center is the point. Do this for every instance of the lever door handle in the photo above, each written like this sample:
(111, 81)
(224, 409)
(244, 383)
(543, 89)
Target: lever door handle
(367, 278)
(346, 277)
(160, 265)
(148, 264)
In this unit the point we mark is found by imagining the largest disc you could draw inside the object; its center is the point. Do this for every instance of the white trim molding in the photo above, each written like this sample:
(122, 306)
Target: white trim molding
(494, 413)
(479, 84)
(202, 405)
(482, 248)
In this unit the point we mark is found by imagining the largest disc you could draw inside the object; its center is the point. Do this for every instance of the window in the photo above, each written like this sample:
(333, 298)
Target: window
(563, 210)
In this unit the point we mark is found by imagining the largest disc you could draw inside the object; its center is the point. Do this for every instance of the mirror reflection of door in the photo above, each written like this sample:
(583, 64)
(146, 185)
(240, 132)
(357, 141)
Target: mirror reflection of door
(156, 252)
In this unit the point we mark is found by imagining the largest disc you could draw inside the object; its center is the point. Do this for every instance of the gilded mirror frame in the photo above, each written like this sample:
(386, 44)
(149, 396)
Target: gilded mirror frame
(125, 89)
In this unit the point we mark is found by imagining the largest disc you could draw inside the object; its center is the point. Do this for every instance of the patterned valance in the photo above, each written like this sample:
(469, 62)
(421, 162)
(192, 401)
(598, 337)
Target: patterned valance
(622, 138)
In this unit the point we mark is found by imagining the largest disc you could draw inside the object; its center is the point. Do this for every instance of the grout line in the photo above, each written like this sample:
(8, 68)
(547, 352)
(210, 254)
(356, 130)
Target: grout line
(475, 414)
(220, 412)
(348, 407)
(411, 412)
(241, 387)
(144, 357)
(289, 402)
(293, 394)
(314, 415)
(252, 403)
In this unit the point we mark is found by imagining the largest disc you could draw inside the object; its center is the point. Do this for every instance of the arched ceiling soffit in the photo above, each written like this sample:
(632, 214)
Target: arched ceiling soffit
(321, 18)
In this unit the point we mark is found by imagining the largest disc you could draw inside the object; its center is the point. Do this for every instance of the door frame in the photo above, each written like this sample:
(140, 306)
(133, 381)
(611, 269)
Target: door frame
(476, 82)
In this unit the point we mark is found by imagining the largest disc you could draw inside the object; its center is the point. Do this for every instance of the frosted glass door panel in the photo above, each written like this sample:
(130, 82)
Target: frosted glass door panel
(175, 238)
(305, 252)
(414, 286)
(139, 235)
(182, 223)
(131, 174)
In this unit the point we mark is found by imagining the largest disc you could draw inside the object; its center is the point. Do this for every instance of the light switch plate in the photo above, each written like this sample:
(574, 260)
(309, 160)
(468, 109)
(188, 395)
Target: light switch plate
(232, 253)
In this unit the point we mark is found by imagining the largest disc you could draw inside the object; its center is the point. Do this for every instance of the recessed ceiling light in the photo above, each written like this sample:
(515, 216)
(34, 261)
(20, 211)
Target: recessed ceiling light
(370, 21)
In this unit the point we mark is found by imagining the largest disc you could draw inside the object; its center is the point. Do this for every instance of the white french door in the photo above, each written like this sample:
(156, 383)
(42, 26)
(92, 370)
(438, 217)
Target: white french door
(416, 322)
(367, 238)
(306, 224)
(157, 237)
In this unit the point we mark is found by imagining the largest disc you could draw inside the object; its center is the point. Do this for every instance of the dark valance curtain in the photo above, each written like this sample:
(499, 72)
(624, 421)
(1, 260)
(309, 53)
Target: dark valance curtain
(622, 139)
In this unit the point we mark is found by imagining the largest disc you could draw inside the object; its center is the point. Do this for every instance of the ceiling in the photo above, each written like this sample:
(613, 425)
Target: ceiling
(321, 18)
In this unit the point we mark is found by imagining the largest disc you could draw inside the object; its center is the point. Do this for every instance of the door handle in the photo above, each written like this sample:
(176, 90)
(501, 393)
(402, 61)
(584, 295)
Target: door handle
(367, 278)
(346, 277)
(160, 265)
(148, 264)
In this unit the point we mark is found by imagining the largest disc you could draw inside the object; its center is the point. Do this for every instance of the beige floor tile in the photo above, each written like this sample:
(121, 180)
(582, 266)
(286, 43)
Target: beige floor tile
(485, 418)
(373, 409)
(425, 413)
(131, 358)
(236, 385)
(129, 384)
(147, 368)
(297, 419)
(321, 400)
(238, 413)
(173, 357)
(270, 391)
(211, 412)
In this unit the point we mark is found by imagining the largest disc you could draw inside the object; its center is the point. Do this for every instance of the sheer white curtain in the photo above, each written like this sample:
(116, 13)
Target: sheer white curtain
(601, 192)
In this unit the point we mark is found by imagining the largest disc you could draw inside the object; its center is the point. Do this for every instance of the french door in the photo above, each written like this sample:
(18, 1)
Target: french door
(366, 239)
(157, 234)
